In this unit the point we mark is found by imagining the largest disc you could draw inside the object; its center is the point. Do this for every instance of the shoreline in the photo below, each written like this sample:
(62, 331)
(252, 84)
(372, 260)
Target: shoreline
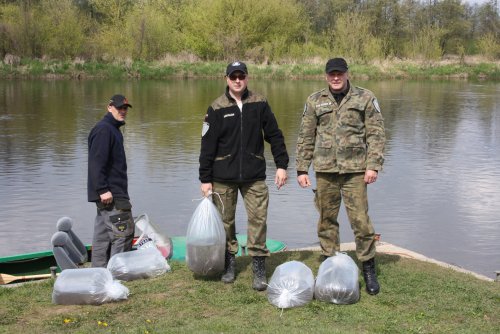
(473, 69)
(391, 249)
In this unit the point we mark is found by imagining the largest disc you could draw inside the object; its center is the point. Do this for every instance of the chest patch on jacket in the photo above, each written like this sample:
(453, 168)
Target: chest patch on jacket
(375, 104)
(325, 104)
(228, 115)
(205, 128)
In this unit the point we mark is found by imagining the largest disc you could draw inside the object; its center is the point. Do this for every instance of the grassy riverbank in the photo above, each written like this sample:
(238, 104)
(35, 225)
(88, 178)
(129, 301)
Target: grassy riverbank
(468, 69)
(416, 297)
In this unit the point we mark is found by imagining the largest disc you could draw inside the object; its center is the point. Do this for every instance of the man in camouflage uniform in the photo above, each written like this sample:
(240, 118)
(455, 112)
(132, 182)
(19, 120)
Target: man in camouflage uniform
(232, 160)
(342, 134)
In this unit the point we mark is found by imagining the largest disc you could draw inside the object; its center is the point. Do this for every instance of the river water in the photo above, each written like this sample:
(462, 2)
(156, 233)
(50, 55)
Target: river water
(438, 194)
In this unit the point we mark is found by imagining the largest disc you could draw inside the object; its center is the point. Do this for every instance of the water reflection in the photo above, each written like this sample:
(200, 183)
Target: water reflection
(437, 195)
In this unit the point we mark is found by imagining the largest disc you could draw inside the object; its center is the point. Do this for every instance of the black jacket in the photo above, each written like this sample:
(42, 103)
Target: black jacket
(232, 150)
(107, 166)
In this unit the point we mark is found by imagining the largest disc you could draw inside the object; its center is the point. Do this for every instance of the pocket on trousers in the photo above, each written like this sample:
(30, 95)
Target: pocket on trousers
(122, 224)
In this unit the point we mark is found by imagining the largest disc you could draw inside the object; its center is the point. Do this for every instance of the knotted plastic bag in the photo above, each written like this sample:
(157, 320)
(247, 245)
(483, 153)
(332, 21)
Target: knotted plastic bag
(87, 286)
(205, 240)
(337, 280)
(291, 285)
(142, 263)
(151, 235)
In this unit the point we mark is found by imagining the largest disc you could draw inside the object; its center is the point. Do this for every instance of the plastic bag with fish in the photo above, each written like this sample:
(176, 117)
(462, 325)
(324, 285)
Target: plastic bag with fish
(337, 280)
(291, 285)
(206, 240)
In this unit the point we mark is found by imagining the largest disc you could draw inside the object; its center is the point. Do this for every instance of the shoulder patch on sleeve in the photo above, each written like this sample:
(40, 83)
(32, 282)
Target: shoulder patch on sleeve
(205, 128)
(305, 109)
(375, 104)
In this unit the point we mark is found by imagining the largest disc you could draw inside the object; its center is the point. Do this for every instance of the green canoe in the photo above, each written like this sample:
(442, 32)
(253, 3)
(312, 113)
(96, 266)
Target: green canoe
(40, 262)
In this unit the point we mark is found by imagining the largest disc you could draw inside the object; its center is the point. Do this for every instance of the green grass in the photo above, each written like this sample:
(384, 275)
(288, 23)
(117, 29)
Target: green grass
(36, 68)
(415, 297)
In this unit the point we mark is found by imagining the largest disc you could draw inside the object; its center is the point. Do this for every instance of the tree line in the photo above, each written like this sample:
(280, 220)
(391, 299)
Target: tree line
(256, 30)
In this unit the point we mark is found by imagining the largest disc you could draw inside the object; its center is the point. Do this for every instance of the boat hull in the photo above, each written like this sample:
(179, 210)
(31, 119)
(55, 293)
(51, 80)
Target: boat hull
(40, 262)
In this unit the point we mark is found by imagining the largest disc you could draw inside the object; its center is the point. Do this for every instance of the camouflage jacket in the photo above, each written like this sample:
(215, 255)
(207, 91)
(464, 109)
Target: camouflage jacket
(345, 138)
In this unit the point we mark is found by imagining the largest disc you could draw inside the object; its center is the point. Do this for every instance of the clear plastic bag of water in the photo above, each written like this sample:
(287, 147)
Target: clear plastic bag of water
(291, 285)
(87, 286)
(206, 240)
(337, 280)
(142, 263)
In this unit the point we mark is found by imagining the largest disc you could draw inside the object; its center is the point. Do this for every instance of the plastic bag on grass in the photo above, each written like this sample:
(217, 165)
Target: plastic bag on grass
(87, 286)
(142, 263)
(337, 280)
(151, 235)
(206, 240)
(291, 285)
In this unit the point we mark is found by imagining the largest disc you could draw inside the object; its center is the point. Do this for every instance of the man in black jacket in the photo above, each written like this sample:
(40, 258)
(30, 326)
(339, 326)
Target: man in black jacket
(107, 184)
(232, 160)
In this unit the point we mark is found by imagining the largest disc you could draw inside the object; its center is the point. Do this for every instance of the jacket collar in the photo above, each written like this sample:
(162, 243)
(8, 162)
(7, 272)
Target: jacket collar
(110, 119)
(243, 97)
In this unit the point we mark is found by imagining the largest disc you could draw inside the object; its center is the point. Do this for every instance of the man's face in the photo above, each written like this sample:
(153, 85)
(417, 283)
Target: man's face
(337, 81)
(237, 82)
(118, 113)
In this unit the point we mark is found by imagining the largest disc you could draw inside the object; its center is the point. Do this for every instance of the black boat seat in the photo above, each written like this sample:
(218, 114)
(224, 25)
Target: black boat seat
(65, 252)
(65, 224)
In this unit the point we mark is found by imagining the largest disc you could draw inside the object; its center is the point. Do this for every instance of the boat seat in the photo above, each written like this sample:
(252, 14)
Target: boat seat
(65, 252)
(64, 224)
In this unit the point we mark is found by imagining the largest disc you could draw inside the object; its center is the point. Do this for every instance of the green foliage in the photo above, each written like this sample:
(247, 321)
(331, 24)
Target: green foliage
(259, 31)
(62, 29)
(426, 44)
(353, 38)
(226, 29)
(489, 46)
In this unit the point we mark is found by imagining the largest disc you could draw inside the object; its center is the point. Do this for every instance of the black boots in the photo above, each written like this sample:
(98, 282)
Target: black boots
(370, 276)
(229, 268)
(259, 273)
(258, 266)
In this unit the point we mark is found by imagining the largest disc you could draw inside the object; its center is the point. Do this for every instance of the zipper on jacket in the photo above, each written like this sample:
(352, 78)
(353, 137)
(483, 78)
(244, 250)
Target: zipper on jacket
(241, 141)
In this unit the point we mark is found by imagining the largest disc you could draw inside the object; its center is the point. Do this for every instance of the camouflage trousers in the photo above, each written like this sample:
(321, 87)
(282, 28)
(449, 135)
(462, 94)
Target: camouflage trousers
(331, 189)
(256, 199)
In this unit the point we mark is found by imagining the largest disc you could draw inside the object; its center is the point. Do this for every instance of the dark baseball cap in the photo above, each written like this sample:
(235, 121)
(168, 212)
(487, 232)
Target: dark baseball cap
(119, 101)
(236, 66)
(336, 64)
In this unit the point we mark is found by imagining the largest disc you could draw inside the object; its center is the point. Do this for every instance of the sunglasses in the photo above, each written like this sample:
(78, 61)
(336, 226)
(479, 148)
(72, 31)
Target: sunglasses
(241, 77)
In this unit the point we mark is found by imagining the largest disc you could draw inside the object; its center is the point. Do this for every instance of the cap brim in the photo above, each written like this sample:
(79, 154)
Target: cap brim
(236, 70)
(125, 104)
(336, 69)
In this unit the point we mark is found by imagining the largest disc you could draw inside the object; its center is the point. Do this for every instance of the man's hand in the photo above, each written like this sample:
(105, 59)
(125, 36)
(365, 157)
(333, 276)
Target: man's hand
(304, 180)
(107, 198)
(370, 176)
(280, 178)
(206, 189)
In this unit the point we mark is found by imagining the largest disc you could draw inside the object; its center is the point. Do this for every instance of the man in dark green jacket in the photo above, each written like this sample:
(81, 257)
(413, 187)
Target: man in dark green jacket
(232, 160)
(342, 134)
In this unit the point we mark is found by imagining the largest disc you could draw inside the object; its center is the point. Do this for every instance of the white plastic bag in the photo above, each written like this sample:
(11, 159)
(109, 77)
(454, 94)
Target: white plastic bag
(206, 240)
(337, 280)
(142, 263)
(87, 286)
(291, 285)
(151, 233)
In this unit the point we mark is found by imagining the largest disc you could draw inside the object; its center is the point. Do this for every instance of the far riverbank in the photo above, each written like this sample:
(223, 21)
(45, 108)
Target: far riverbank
(452, 69)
